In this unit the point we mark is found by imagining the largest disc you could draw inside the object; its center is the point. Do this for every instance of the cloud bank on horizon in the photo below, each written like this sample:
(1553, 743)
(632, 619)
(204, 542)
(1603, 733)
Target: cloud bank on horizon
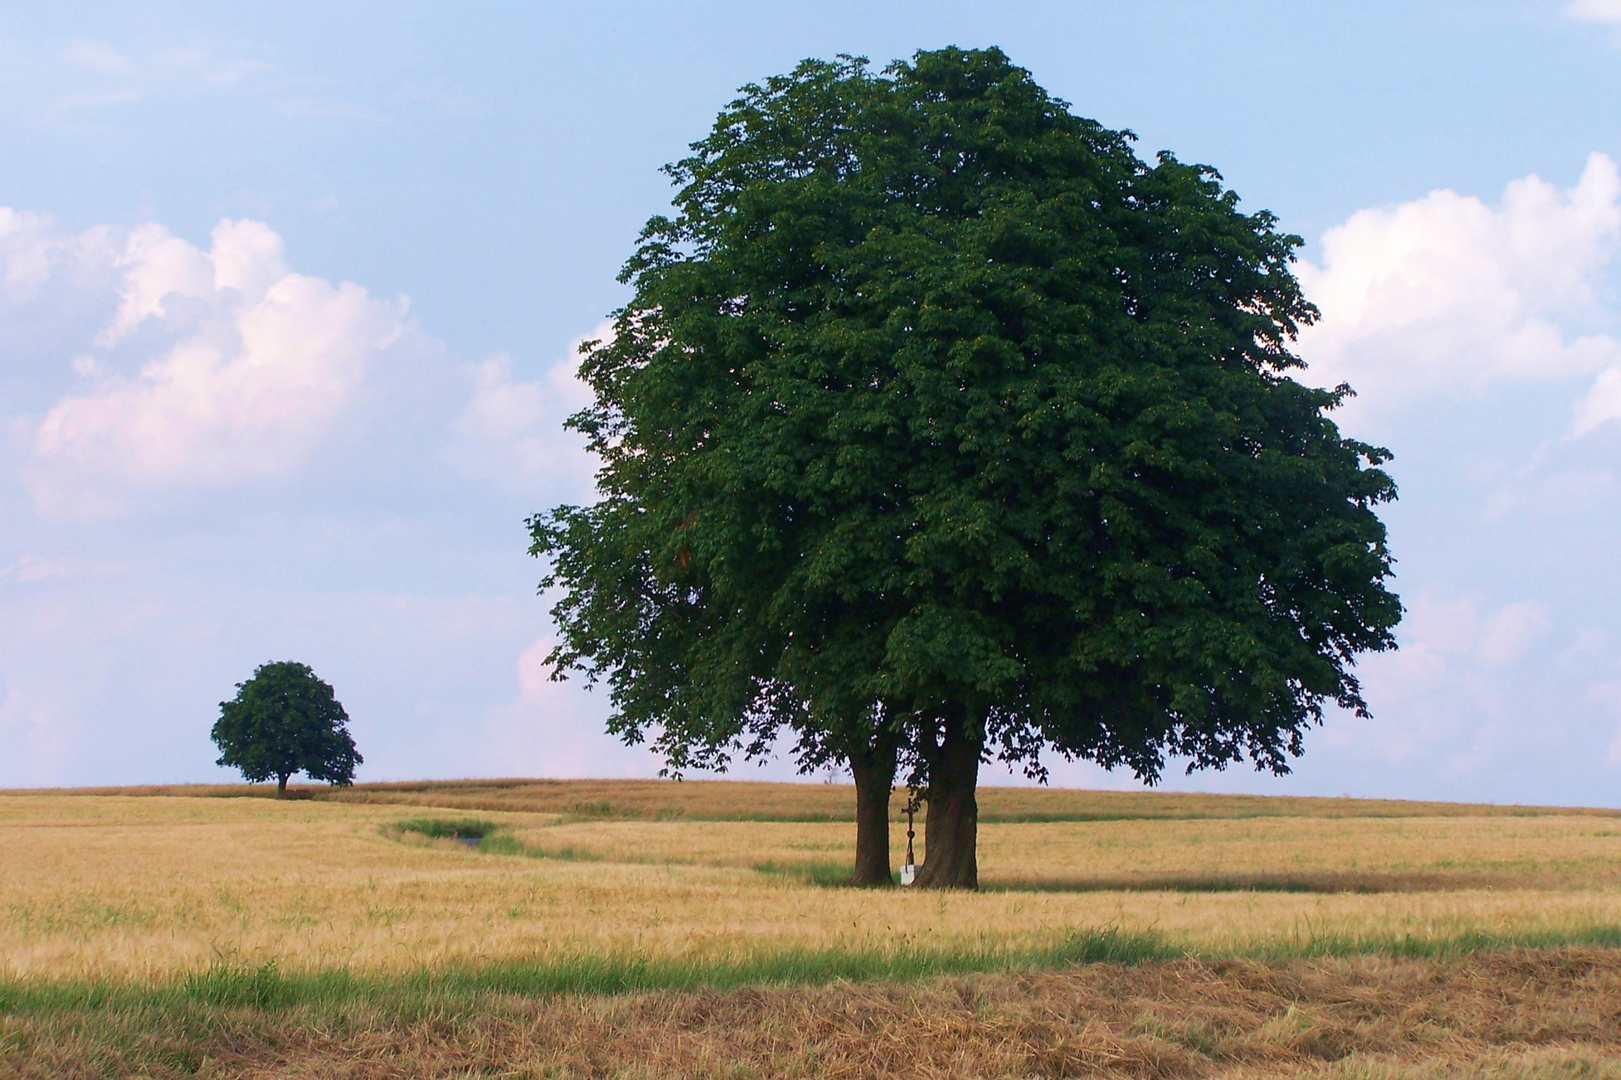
(215, 460)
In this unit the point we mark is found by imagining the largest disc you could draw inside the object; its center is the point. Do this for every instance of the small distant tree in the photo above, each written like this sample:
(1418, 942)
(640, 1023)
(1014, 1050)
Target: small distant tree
(285, 720)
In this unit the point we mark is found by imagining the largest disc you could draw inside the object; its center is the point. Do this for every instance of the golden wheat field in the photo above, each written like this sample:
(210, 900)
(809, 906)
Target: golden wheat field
(143, 887)
(638, 929)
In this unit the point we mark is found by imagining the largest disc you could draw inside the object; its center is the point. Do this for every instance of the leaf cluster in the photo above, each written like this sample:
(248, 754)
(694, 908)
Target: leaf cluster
(933, 395)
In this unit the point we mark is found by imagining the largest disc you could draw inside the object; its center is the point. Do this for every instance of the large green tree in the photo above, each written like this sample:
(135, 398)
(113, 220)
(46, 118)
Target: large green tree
(282, 721)
(940, 427)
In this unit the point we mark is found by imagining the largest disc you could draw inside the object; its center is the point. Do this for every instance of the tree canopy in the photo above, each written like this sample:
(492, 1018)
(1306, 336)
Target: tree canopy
(283, 721)
(940, 426)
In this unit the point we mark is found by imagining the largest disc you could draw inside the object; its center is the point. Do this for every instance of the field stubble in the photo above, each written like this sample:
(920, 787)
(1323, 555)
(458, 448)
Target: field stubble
(1514, 1015)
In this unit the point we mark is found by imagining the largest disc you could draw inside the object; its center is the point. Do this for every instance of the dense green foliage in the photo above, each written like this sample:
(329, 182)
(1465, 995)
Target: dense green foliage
(937, 415)
(283, 721)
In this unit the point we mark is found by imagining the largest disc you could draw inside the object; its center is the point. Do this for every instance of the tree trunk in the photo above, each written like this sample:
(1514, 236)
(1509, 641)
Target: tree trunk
(873, 768)
(281, 785)
(951, 829)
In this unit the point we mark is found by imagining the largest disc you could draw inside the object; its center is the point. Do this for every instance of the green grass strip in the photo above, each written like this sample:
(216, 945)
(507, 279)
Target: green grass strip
(490, 837)
(455, 988)
(446, 828)
(269, 987)
(1415, 947)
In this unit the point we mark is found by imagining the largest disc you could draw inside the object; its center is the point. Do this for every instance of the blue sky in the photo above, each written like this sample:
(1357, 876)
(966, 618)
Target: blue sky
(288, 295)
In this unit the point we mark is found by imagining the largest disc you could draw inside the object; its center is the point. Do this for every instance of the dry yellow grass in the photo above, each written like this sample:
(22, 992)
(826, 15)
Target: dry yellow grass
(128, 887)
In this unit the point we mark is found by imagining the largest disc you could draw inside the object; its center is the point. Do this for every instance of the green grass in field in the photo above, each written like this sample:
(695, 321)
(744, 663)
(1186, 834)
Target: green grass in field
(492, 838)
(456, 987)
(447, 828)
(268, 987)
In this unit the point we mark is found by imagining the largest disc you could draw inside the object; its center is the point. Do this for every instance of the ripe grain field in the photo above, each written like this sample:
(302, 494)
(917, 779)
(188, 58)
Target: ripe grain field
(175, 930)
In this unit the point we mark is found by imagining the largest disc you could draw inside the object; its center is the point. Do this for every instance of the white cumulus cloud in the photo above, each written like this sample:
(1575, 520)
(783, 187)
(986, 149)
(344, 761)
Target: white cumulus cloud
(511, 430)
(241, 366)
(1446, 294)
(1508, 633)
(1441, 632)
(33, 253)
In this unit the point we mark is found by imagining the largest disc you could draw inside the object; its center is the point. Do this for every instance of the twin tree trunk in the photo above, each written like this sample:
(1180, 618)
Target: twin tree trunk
(873, 769)
(281, 785)
(951, 827)
(951, 834)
